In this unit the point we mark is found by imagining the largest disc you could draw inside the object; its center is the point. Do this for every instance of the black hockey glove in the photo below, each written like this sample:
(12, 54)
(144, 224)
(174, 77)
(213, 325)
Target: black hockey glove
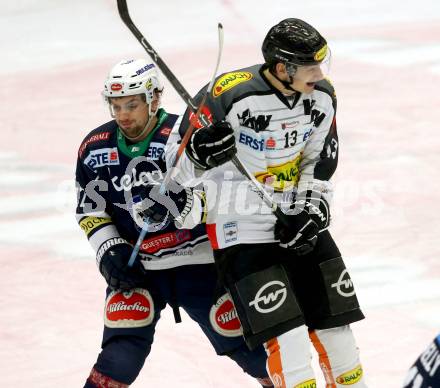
(212, 146)
(298, 228)
(161, 208)
(113, 258)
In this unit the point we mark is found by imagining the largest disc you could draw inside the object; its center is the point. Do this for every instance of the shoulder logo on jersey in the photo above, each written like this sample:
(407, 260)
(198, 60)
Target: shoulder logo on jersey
(98, 137)
(102, 157)
(134, 308)
(230, 80)
(258, 123)
(224, 319)
(165, 131)
(316, 116)
(281, 177)
(203, 120)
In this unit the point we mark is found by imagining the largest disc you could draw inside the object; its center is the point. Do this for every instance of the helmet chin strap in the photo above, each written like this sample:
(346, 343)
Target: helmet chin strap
(286, 84)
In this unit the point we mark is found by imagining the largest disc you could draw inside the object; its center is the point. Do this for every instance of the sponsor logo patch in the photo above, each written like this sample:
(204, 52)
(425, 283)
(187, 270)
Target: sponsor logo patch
(250, 141)
(149, 84)
(281, 177)
(133, 308)
(230, 80)
(230, 230)
(98, 137)
(271, 143)
(144, 69)
(89, 224)
(137, 178)
(102, 157)
(289, 125)
(224, 319)
(269, 297)
(116, 87)
(344, 285)
(107, 245)
(306, 384)
(320, 55)
(165, 240)
(351, 377)
(155, 150)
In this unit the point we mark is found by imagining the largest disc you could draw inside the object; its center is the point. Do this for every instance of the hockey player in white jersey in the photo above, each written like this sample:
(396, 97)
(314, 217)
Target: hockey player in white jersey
(285, 275)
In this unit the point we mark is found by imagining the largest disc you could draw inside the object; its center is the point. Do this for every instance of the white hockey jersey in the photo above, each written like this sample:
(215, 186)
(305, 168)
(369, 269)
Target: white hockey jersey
(288, 143)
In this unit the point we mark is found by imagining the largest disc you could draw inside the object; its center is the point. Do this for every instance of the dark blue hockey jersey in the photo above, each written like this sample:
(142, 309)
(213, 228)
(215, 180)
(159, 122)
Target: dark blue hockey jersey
(110, 172)
(425, 373)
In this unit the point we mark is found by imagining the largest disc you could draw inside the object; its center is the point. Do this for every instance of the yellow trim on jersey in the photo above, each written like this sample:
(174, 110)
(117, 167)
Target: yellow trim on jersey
(89, 224)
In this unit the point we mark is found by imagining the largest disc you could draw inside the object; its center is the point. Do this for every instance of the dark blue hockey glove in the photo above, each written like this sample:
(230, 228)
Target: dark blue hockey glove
(298, 228)
(113, 256)
(212, 146)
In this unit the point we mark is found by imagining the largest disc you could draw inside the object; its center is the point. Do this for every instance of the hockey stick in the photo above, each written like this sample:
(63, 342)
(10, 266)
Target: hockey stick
(125, 16)
(261, 191)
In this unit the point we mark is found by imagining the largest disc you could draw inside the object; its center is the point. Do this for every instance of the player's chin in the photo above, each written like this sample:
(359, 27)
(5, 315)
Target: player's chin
(131, 132)
(308, 87)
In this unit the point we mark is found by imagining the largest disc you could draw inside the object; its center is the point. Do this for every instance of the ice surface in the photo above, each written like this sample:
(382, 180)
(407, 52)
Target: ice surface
(55, 55)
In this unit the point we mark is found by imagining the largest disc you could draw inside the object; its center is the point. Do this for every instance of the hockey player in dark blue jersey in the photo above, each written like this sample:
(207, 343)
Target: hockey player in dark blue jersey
(425, 373)
(117, 164)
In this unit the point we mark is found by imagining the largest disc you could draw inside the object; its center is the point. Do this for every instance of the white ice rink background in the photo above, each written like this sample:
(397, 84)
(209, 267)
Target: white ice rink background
(54, 57)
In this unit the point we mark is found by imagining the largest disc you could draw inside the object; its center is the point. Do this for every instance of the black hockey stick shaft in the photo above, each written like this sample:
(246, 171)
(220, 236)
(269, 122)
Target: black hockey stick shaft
(126, 18)
(181, 91)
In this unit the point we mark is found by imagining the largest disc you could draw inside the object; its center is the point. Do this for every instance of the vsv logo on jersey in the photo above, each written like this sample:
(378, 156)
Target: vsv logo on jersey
(316, 116)
(258, 123)
(102, 157)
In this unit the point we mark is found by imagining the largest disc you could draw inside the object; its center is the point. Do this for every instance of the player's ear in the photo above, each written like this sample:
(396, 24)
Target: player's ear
(280, 68)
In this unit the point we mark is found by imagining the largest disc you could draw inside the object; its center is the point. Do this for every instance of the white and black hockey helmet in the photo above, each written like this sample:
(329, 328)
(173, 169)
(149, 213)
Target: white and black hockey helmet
(131, 77)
